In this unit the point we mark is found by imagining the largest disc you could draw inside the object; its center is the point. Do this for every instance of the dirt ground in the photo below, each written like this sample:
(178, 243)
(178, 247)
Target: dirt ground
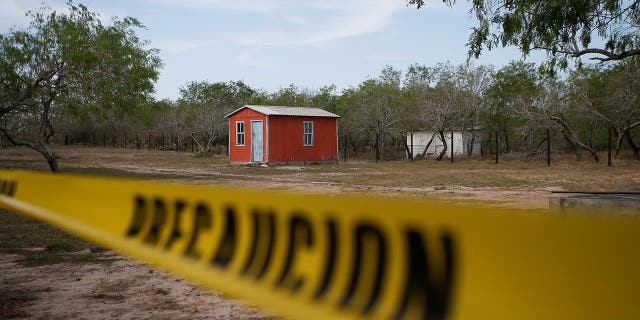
(46, 274)
(119, 289)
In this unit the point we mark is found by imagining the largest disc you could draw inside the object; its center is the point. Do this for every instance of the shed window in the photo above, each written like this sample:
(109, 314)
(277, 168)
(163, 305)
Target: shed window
(240, 133)
(308, 133)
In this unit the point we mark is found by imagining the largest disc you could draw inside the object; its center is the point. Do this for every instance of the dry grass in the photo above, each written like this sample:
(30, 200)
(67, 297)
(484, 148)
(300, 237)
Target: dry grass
(169, 165)
(514, 184)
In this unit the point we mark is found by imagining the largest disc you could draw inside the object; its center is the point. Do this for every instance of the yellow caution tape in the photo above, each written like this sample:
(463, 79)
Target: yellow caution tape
(341, 257)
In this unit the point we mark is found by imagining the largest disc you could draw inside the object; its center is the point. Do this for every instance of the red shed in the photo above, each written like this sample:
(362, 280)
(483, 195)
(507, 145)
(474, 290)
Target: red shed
(293, 135)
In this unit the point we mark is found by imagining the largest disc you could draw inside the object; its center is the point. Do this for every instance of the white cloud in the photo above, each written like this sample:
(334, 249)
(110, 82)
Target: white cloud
(249, 59)
(302, 22)
(242, 5)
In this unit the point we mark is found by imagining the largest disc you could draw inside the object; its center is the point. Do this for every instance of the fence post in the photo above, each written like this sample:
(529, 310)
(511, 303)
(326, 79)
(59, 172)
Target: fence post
(125, 139)
(137, 141)
(228, 143)
(548, 147)
(451, 146)
(191, 144)
(609, 148)
(149, 143)
(114, 138)
(411, 146)
(66, 139)
(345, 148)
(497, 146)
(163, 141)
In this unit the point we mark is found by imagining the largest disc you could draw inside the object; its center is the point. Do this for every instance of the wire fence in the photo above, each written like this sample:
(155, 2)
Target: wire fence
(149, 141)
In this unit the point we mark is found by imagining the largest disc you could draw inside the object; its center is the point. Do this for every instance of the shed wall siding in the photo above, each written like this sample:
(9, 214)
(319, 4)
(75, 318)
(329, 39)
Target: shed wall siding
(286, 140)
(243, 153)
(461, 143)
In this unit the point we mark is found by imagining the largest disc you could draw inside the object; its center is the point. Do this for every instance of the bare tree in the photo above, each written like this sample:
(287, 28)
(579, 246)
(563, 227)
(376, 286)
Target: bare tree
(611, 96)
(549, 109)
(472, 82)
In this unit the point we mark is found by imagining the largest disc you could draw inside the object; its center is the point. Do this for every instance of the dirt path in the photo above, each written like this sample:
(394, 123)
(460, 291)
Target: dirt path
(118, 289)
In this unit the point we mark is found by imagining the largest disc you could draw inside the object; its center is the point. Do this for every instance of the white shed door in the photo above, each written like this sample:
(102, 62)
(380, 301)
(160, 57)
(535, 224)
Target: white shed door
(256, 141)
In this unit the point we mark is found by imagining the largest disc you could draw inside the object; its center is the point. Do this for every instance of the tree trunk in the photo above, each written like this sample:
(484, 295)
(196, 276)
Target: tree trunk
(633, 145)
(573, 137)
(573, 146)
(506, 141)
(377, 147)
(407, 149)
(470, 148)
(444, 147)
(52, 161)
(424, 152)
(42, 147)
(537, 149)
(627, 132)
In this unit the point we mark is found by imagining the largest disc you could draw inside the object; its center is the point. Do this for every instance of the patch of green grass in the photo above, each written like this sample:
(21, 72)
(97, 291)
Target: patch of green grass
(42, 258)
(61, 246)
(41, 244)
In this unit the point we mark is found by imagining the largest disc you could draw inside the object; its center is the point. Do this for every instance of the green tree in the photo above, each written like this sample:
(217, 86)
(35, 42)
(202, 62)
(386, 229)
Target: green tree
(611, 96)
(563, 28)
(371, 112)
(290, 96)
(202, 107)
(66, 63)
(445, 97)
(514, 85)
(325, 98)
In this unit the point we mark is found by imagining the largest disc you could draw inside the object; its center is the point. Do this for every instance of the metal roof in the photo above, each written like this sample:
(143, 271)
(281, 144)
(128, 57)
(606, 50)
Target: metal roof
(288, 111)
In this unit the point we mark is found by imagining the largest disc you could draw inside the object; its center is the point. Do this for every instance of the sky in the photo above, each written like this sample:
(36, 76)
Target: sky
(271, 44)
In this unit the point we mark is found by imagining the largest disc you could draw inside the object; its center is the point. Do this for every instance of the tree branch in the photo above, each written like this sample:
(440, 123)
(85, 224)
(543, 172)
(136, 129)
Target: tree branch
(18, 142)
(609, 55)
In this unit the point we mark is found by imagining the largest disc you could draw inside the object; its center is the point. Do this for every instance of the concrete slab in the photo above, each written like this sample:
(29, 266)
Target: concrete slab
(620, 204)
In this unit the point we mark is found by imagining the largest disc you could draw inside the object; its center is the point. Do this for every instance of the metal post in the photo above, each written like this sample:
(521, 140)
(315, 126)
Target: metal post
(497, 146)
(411, 146)
(137, 141)
(125, 139)
(191, 144)
(451, 146)
(609, 148)
(163, 141)
(104, 138)
(548, 147)
(149, 143)
(66, 140)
